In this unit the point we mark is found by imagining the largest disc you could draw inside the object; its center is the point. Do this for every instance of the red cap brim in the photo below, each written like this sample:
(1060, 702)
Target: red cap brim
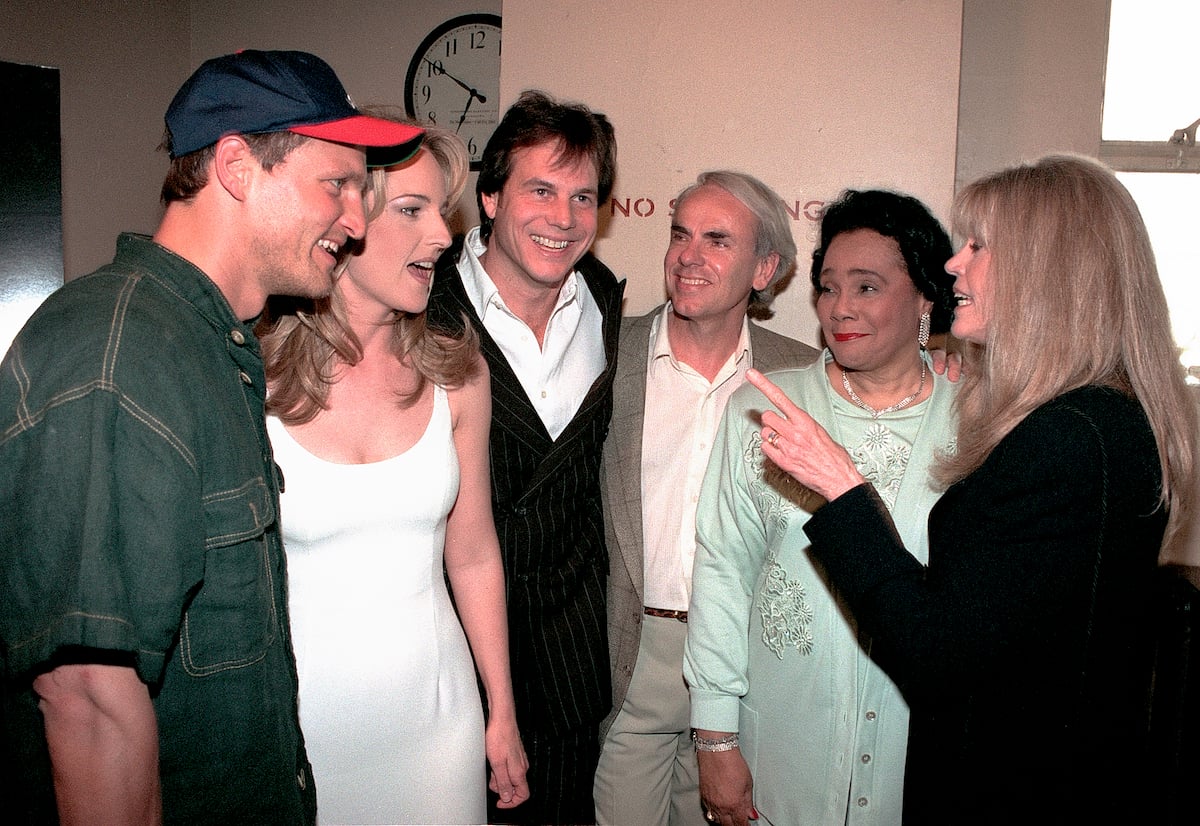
(361, 130)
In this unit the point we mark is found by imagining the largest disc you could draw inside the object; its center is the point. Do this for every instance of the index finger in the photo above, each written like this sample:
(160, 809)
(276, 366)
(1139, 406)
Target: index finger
(503, 779)
(774, 395)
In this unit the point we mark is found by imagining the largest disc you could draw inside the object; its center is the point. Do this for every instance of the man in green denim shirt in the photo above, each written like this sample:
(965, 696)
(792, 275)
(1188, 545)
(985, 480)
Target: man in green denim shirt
(148, 674)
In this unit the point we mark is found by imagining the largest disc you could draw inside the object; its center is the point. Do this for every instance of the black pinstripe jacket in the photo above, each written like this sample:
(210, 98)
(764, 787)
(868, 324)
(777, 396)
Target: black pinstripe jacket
(546, 501)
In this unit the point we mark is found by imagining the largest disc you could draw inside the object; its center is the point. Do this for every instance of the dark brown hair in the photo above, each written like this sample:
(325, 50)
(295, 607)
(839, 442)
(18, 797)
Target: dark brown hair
(536, 119)
(188, 174)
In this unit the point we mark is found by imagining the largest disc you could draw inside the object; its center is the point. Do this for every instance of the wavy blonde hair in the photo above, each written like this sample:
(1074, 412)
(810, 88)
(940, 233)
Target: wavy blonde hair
(304, 341)
(1076, 301)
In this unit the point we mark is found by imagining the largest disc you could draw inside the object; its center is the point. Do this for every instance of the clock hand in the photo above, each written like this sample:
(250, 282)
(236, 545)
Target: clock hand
(473, 92)
(464, 114)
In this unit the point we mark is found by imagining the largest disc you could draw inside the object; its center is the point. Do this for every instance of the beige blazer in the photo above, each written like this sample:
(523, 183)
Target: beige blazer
(621, 485)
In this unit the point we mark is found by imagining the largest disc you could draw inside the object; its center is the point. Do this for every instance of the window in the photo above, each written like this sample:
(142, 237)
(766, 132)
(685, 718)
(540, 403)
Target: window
(1151, 113)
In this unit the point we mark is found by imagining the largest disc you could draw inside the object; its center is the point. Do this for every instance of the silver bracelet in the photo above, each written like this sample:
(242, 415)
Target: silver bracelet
(727, 743)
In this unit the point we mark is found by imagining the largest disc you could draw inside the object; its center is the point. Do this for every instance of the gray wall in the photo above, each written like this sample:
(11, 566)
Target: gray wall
(1031, 81)
(1032, 76)
(122, 60)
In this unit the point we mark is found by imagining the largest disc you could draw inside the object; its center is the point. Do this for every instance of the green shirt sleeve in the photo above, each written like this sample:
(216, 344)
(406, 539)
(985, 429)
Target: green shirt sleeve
(103, 539)
(731, 546)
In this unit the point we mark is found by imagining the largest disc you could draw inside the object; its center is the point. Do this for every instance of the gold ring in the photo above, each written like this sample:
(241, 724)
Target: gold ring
(773, 438)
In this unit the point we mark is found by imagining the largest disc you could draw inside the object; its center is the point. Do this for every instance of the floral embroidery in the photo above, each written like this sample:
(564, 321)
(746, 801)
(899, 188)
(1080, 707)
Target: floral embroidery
(882, 460)
(768, 481)
(877, 437)
(783, 606)
(776, 493)
(786, 615)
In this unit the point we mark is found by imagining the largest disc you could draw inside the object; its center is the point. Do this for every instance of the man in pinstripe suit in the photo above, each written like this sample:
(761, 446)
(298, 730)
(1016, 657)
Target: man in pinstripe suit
(730, 244)
(547, 314)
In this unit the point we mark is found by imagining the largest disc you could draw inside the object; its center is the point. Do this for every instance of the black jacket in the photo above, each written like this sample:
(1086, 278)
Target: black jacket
(1024, 648)
(546, 502)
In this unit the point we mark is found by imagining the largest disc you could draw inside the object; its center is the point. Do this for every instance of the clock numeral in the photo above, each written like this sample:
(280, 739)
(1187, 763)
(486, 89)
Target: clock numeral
(455, 73)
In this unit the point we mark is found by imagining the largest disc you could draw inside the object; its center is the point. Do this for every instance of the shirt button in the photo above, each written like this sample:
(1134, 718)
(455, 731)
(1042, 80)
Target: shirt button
(543, 394)
(866, 758)
(870, 715)
(862, 802)
(238, 337)
(246, 378)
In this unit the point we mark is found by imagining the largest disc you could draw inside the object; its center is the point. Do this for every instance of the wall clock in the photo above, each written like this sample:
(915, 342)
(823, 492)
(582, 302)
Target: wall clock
(453, 80)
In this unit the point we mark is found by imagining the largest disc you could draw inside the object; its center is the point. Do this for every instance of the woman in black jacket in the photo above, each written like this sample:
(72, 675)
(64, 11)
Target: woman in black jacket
(1023, 647)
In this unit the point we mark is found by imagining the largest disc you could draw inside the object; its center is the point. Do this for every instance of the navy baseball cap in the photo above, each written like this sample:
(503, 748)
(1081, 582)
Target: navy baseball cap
(251, 92)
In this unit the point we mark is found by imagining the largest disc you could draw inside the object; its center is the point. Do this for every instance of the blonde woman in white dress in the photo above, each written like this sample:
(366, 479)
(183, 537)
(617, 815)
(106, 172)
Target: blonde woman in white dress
(381, 429)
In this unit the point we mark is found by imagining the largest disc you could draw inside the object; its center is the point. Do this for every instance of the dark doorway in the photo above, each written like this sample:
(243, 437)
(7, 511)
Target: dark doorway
(31, 260)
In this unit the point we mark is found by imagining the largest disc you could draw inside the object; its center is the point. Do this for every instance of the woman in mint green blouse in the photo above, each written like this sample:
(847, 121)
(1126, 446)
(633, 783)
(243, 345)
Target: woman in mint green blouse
(795, 723)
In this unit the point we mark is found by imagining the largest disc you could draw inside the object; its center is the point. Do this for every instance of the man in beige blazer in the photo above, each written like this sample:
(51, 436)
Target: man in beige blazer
(730, 245)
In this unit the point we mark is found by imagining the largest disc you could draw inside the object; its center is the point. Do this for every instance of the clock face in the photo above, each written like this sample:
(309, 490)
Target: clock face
(454, 80)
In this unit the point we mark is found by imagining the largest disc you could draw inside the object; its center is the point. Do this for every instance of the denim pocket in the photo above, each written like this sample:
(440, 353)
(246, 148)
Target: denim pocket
(230, 623)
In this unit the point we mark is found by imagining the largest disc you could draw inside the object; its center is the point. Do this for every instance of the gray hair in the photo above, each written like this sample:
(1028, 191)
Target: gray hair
(774, 235)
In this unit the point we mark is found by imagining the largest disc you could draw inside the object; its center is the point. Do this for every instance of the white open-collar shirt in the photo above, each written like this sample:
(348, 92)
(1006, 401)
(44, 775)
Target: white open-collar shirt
(557, 375)
(682, 412)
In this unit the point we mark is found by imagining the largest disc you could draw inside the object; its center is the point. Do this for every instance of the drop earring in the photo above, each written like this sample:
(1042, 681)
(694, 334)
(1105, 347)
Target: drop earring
(923, 331)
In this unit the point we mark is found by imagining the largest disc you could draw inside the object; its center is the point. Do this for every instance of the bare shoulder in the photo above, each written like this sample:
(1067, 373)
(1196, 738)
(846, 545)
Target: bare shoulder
(474, 395)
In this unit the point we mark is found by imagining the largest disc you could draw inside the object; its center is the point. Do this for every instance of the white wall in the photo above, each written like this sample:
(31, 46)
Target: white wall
(369, 44)
(1032, 81)
(811, 97)
(120, 63)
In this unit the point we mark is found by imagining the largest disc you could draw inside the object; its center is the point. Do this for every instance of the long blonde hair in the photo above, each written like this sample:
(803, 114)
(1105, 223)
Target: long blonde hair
(304, 341)
(1076, 300)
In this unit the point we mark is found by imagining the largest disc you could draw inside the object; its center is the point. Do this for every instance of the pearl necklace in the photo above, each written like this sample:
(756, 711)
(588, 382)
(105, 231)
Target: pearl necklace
(875, 414)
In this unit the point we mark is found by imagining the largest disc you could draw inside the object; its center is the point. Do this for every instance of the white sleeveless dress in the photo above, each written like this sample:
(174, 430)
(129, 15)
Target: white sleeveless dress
(389, 703)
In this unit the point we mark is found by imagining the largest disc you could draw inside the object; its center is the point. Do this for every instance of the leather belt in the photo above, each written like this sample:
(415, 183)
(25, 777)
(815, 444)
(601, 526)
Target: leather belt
(666, 613)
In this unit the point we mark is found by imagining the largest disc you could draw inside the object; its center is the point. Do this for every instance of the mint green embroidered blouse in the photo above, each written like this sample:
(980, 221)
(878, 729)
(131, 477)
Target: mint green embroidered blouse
(772, 653)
